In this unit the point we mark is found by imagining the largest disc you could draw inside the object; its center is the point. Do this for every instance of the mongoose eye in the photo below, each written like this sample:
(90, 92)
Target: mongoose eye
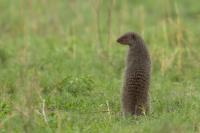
(133, 36)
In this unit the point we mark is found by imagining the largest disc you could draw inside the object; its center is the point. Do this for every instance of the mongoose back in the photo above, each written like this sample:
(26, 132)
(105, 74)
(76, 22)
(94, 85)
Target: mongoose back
(135, 95)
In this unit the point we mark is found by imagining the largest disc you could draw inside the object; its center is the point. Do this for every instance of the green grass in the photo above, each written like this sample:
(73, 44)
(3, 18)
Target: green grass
(61, 69)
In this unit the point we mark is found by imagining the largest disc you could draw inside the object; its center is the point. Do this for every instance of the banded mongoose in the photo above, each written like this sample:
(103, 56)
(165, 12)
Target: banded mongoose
(135, 95)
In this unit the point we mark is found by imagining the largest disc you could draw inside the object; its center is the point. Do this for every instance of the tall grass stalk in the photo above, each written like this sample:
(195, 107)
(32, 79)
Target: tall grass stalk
(179, 39)
(98, 26)
(109, 22)
(142, 20)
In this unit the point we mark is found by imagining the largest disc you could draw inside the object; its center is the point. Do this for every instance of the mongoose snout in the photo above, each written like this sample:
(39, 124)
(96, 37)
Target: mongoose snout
(135, 94)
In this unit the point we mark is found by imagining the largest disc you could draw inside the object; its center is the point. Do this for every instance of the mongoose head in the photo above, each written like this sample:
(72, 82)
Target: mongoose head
(129, 38)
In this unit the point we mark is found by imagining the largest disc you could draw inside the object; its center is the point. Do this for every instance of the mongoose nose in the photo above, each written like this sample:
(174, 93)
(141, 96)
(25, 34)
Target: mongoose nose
(119, 40)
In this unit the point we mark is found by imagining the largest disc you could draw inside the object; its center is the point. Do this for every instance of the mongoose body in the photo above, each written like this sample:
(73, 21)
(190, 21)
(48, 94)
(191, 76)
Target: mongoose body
(135, 94)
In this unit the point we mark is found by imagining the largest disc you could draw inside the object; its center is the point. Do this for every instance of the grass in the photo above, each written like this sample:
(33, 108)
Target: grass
(61, 68)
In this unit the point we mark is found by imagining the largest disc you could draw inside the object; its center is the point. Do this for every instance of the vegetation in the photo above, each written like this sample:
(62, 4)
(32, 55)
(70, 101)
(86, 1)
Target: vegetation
(61, 68)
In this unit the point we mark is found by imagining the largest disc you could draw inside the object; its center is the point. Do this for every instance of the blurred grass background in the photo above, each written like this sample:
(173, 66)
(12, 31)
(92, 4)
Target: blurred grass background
(61, 68)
